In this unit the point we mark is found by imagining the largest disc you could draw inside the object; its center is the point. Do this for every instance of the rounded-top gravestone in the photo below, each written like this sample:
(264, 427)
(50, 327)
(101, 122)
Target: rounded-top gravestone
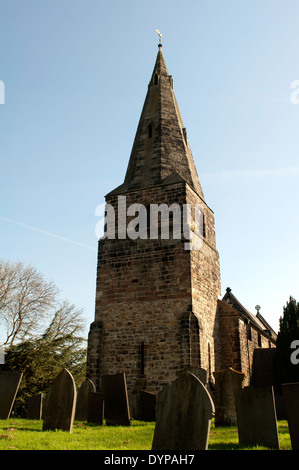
(61, 403)
(184, 412)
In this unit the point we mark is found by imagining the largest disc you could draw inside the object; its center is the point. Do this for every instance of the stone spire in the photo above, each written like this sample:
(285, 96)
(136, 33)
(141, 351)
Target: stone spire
(161, 153)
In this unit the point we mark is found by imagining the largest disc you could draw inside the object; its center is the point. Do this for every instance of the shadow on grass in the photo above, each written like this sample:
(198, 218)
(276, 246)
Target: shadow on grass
(10, 428)
(224, 446)
(134, 423)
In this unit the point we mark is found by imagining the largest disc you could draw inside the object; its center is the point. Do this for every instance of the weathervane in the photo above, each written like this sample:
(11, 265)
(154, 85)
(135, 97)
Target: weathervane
(160, 35)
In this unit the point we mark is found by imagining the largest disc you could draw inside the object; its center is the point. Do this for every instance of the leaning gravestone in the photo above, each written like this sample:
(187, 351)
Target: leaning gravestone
(147, 401)
(257, 424)
(226, 382)
(34, 407)
(184, 413)
(82, 399)
(291, 399)
(9, 385)
(117, 410)
(95, 410)
(61, 402)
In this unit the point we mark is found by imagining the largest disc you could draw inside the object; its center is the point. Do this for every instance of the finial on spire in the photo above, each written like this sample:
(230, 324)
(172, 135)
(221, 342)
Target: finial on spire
(160, 38)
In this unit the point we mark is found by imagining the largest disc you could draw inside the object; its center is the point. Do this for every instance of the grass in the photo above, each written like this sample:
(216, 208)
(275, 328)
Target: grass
(23, 434)
(227, 438)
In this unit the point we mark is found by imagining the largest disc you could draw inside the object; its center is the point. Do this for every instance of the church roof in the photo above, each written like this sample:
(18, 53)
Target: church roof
(161, 153)
(257, 320)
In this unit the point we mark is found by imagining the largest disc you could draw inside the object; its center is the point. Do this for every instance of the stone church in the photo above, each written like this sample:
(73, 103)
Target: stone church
(158, 305)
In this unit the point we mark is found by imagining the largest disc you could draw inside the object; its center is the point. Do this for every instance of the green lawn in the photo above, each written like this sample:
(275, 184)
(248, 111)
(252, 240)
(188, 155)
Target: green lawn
(23, 434)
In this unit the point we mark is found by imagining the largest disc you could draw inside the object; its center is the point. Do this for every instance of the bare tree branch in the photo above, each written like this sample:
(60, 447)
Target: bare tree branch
(26, 300)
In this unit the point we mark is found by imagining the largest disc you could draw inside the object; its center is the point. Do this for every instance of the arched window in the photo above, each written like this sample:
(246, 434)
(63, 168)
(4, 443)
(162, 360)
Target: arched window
(156, 79)
(249, 336)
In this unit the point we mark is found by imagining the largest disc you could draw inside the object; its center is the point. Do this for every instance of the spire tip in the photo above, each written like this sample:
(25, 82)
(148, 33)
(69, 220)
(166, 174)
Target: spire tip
(160, 38)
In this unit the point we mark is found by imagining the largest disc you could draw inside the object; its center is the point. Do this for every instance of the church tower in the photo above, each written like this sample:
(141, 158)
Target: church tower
(156, 299)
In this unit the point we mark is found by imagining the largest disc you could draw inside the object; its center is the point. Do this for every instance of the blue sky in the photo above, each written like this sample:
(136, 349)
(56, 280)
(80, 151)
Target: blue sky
(76, 75)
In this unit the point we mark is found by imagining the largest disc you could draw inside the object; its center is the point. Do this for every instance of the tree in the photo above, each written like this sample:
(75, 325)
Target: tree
(26, 299)
(43, 334)
(284, 369)
(41, 359)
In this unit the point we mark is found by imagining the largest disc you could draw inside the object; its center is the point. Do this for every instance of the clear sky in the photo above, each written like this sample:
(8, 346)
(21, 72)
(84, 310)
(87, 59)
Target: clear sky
(76, 73)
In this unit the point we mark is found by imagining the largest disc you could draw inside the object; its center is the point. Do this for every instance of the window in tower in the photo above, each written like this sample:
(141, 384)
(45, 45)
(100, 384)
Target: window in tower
(150, 131)
(156, 79)
(203, 226)
(142, 358)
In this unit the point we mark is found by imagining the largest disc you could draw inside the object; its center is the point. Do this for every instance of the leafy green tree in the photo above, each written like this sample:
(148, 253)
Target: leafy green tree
(285, 365)
(41, 359)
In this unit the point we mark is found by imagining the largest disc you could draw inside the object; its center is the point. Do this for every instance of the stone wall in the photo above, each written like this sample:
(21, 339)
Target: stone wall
(205, 281)
(239, 339)
(155, 302)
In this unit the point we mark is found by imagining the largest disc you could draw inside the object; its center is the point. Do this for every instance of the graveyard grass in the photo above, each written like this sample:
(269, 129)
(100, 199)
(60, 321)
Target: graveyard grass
(24, 434)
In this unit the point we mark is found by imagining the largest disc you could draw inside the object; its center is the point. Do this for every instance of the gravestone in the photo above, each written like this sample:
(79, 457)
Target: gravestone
(262, 370)
(9, 385)
(279, 405)
(147, 410)
(82, 399)
(61, 403)
(135, 396)
(34, 407)
(200, 373)
(291, 399)
(95, 410)
(116, 400)
(257, 424)
(226, 382)
(183, 416)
